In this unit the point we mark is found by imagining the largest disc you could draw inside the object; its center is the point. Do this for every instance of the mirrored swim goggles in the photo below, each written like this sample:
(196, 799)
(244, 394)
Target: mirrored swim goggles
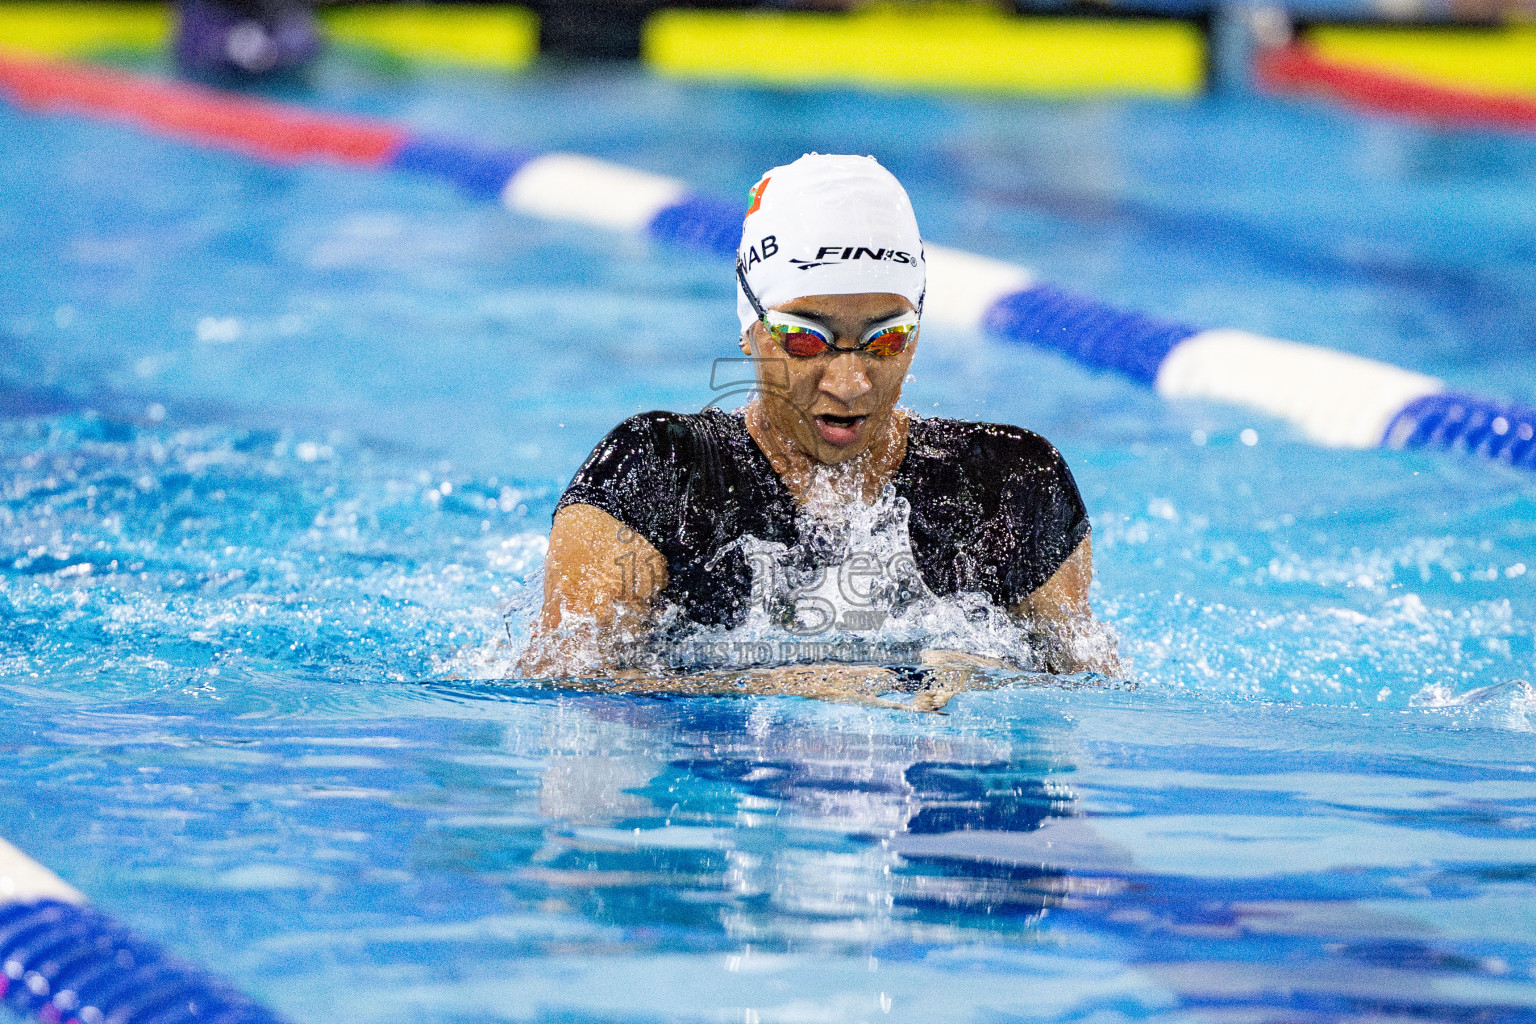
(805, 338)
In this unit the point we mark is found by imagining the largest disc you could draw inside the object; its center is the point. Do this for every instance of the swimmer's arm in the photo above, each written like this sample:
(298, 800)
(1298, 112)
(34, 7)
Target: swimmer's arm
(1058, 608)
(601, 579)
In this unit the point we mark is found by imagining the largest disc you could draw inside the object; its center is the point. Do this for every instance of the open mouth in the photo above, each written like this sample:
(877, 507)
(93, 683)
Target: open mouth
(839, 430)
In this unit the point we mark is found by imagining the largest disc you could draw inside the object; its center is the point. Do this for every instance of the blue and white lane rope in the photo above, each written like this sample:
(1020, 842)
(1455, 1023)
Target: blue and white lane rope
(1334, 398)
(65, 963)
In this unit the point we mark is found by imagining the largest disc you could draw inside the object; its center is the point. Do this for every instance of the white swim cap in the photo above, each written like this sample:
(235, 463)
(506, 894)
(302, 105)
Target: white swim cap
(829, 225)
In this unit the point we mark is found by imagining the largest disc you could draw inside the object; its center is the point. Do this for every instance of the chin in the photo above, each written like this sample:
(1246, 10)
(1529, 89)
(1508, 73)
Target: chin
(829, 454)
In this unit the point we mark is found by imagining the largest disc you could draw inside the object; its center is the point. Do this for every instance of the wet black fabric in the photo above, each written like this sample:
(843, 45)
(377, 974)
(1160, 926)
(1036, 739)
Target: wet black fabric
(994, 508)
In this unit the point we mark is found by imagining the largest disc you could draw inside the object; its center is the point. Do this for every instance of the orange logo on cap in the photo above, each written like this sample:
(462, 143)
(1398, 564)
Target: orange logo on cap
(756, 195)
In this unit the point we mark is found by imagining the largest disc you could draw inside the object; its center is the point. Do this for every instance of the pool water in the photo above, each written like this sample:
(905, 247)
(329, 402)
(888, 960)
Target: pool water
(280, 445)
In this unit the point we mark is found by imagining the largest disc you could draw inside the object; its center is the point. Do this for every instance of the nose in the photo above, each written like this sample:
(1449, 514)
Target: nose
(844, 378)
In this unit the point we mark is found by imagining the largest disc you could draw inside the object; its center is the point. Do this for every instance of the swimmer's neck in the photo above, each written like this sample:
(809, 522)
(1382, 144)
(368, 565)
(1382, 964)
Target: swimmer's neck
(863, 476)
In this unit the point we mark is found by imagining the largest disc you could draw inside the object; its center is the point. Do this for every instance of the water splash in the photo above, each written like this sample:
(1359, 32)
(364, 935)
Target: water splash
(1506, 706)
(844, 608)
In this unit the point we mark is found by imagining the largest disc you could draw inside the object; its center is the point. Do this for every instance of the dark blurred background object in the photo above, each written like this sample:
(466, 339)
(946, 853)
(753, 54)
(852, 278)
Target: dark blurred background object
(245, 38)
(610, 29)
(584, 29)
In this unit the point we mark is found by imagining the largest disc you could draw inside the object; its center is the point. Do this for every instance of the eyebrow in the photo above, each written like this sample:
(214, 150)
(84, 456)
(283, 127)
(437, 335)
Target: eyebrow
(823, 318)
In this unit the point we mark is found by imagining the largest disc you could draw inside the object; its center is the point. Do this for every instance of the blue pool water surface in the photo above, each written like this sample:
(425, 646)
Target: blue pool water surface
(279, 446)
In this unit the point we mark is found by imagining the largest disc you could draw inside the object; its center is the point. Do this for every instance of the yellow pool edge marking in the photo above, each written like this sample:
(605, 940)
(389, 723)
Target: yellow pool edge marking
(933, 49)
(926, 49)
(504, 38)
(495, 37)
(1489, 60)
(76, 29)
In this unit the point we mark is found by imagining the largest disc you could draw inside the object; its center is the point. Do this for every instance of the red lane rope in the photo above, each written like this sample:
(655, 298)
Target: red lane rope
(260, 128)
(1297, 68)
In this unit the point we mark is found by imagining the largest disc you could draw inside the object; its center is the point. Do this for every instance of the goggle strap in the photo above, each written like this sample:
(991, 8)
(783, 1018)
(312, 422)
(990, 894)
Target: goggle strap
(741, 276)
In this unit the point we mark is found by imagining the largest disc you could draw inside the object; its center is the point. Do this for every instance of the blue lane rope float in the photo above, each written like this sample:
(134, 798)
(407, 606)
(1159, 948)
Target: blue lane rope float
(1086, 330)
(482, 172)
(63, 962)
(1467, 423)
(1334, 398)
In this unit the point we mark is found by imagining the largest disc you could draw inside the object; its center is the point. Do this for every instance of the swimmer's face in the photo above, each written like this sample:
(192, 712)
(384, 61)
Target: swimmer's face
(837, 403)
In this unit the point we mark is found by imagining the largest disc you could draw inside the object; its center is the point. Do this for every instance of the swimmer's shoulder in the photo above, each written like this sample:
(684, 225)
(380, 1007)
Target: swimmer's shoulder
(981, 446)
(638, 471)
(664, 431)
(991, 475)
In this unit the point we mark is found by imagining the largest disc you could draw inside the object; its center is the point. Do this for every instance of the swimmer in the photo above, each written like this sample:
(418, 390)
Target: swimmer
(668, 525)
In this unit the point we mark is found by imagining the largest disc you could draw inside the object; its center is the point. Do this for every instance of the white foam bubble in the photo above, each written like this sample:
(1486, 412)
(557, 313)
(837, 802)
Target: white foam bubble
(1503, 706)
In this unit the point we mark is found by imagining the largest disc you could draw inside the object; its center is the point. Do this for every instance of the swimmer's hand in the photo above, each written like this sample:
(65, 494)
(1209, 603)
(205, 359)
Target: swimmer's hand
(860, 684)
(949, 672)
(941, 660)
(839, 683)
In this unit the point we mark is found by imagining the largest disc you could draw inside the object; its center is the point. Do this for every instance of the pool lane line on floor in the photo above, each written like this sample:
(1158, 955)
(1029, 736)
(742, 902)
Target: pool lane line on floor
(63, 962)
(1334, 398)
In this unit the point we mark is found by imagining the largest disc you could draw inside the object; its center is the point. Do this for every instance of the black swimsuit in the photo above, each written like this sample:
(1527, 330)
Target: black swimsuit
(994, 508)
